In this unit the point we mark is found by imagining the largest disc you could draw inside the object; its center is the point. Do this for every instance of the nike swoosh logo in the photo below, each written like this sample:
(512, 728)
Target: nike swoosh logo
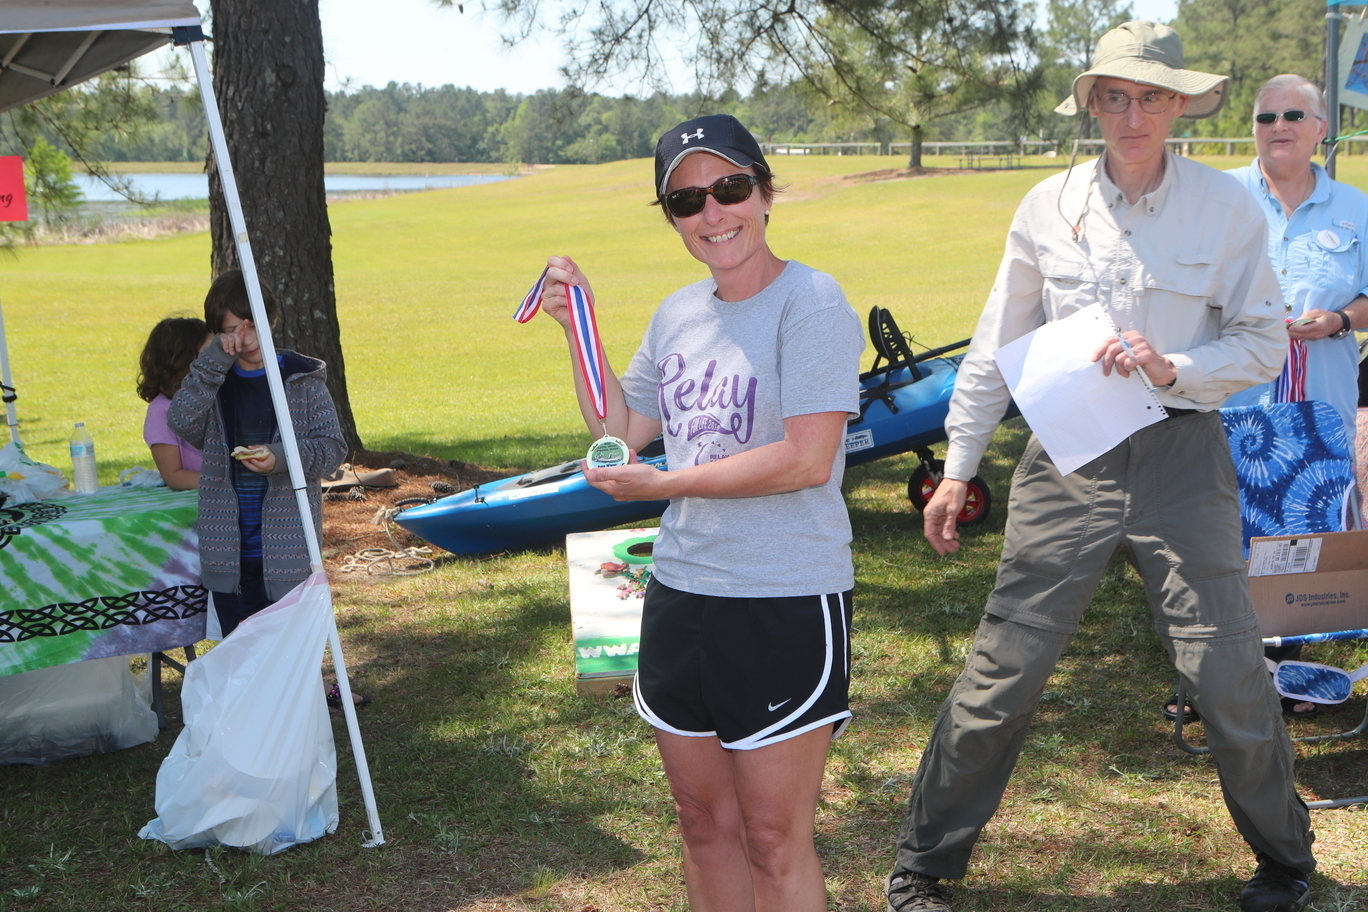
(774, 706)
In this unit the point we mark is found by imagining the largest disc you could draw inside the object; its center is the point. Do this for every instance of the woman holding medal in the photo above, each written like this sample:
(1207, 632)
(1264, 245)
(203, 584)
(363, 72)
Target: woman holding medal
(750, 376)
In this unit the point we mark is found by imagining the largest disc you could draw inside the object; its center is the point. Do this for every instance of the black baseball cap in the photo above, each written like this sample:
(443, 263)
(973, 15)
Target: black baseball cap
(720, 134)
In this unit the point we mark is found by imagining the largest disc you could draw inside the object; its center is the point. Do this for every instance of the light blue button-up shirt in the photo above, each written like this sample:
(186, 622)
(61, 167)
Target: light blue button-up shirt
(1321, 260)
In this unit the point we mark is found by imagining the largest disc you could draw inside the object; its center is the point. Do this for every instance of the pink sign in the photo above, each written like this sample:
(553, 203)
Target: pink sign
(13, 204)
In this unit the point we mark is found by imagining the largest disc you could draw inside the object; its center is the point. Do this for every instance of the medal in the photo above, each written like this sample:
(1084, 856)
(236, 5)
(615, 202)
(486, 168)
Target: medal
(606, 452)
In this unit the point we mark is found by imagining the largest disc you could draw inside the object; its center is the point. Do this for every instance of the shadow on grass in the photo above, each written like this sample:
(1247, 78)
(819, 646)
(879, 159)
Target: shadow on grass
(467, 725)
(515, 453)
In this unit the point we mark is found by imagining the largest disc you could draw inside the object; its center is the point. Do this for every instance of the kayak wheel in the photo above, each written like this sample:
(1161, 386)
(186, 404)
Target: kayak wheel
(922, 484)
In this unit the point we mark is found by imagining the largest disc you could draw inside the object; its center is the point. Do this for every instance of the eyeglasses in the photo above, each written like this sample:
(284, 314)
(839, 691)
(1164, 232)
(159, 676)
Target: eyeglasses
(1268, 117)
(728, 191)
(1114, 102)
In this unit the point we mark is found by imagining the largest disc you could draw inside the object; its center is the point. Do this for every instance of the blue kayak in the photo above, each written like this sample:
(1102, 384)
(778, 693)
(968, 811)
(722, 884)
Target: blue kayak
(526, 510)
(903, 403)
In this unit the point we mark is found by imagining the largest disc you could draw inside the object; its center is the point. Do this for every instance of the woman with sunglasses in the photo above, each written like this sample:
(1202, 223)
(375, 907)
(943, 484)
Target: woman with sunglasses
(750, 375)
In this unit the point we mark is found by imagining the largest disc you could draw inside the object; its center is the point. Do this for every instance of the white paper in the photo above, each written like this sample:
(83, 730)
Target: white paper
(1276, 558)
(1076, 411)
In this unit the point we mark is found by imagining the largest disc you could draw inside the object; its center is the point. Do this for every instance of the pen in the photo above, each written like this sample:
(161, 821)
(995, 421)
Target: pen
(1138, 369)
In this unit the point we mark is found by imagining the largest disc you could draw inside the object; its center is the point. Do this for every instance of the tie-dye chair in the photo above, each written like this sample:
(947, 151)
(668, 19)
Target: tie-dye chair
(1295, 469)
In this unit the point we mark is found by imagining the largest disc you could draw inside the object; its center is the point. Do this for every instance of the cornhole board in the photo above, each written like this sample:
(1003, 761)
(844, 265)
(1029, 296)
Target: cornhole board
(605, 624)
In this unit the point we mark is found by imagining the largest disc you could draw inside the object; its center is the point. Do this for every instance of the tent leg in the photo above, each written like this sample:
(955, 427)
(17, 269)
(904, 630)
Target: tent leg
(376, 836)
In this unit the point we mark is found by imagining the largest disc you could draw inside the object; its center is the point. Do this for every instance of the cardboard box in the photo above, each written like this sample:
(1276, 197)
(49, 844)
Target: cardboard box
(605, 612)
(1309, 583)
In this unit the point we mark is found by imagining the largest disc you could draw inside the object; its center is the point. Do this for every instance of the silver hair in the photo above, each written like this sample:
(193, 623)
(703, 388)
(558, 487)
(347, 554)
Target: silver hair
(1315, 98)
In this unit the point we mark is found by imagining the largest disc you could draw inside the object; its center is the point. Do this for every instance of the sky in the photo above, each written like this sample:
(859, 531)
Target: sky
(415, 41)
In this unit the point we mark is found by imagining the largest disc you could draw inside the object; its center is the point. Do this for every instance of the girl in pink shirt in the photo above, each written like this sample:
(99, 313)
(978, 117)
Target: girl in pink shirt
(171, 346)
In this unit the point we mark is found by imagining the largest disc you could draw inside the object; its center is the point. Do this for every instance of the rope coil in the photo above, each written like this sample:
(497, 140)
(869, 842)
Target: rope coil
(383, 561)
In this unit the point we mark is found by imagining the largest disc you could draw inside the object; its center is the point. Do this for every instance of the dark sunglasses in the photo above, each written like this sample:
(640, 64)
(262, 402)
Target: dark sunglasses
(728, 191)
(1268, 117)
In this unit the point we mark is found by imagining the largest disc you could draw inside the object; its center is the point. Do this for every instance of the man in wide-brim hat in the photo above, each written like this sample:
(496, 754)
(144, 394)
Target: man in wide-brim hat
(1175, 253)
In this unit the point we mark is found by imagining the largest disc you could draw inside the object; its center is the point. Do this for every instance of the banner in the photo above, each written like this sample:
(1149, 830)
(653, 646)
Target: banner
(13, 203)
(1353, 62)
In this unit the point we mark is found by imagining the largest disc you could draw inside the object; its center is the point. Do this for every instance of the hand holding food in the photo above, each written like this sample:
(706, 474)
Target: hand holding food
(259, 458)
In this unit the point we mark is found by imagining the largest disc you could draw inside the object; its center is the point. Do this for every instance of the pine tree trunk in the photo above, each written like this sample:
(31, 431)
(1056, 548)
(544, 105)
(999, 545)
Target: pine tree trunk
(916, 159)
(268, 75)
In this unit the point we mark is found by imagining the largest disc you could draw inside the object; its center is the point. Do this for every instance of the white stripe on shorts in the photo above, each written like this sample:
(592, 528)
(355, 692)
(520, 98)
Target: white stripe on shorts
(655, 721)
(760, 738)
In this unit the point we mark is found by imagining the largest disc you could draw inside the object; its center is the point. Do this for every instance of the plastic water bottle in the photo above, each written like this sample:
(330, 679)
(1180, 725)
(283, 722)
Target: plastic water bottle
(86, 479)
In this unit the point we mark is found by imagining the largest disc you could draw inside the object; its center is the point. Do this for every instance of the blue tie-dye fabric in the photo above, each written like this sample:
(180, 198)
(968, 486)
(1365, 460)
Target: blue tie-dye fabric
(1317, 683)
(1294, 467)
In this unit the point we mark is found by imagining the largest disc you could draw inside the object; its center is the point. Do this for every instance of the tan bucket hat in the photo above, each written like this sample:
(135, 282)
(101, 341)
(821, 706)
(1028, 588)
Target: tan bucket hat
(1151, 54)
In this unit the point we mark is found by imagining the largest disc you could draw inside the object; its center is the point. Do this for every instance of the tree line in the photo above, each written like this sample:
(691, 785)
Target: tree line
(401, 122)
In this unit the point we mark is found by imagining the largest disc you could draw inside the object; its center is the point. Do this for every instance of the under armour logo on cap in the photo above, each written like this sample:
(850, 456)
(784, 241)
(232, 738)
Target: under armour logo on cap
(685, 137)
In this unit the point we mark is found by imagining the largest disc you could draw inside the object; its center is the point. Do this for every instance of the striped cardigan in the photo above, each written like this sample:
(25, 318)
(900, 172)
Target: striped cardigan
(195, 416)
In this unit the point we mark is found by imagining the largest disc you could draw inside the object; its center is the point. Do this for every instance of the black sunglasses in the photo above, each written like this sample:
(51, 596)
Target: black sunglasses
(1268, 117)
(728, 191)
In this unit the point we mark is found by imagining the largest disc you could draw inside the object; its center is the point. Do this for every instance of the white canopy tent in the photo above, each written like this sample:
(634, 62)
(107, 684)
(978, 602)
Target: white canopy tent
(50, 45)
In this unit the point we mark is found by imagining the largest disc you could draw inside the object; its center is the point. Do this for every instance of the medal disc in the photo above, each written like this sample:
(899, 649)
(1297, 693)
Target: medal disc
(606, 452)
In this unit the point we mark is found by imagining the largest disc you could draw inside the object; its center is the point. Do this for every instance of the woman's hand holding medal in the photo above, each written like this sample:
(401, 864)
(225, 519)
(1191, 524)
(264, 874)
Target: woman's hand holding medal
(632, 481)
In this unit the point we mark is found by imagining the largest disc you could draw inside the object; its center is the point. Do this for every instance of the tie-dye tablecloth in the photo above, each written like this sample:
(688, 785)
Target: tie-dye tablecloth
(110, 573)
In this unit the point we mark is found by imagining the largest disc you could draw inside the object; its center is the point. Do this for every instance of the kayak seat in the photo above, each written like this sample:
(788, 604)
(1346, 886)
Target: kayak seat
(890, 345)
(891, 353)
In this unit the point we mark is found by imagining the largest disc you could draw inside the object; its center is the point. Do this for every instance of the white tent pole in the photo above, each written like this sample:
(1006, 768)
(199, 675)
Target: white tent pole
(10, 413)
(219, 144)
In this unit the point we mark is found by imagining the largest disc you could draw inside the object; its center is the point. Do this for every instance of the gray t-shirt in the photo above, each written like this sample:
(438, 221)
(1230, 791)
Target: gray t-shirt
(721, 378)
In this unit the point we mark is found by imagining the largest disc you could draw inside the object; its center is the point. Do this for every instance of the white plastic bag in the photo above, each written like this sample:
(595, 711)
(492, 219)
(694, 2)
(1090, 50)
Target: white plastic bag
(138, 477)
(255, 766)
(25, 481)
(72, 710)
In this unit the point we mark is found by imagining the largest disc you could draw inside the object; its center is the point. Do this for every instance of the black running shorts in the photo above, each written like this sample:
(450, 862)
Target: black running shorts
(749, 671)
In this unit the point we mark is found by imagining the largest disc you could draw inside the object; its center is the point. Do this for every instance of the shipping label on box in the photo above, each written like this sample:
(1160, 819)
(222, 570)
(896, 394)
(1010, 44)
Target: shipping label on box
(1309, 583)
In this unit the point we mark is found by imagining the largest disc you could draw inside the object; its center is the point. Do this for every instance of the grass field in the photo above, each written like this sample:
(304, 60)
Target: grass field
(499, 788)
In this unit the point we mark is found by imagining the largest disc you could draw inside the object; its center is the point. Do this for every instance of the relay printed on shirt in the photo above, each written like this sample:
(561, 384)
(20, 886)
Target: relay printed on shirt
(714, 412)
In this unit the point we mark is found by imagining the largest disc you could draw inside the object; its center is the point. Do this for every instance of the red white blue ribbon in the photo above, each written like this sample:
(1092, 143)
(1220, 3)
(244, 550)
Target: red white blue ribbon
(532, 303)
(1291, 383)
(584, 329)
(588, 347)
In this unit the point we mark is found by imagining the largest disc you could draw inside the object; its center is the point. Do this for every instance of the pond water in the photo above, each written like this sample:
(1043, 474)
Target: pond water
(196, 186)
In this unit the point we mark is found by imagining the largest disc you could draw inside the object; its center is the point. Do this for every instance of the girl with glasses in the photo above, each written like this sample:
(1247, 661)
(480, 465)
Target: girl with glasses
(750, 375)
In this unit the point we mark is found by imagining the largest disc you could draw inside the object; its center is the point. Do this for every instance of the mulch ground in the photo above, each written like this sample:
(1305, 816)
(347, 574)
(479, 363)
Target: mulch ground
(356, 520)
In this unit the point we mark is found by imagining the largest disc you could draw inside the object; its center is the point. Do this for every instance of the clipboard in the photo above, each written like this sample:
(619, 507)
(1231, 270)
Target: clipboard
(1077, 412)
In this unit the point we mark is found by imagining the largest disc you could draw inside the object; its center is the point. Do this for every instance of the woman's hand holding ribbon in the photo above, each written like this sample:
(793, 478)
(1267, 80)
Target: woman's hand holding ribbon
(560, 272)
